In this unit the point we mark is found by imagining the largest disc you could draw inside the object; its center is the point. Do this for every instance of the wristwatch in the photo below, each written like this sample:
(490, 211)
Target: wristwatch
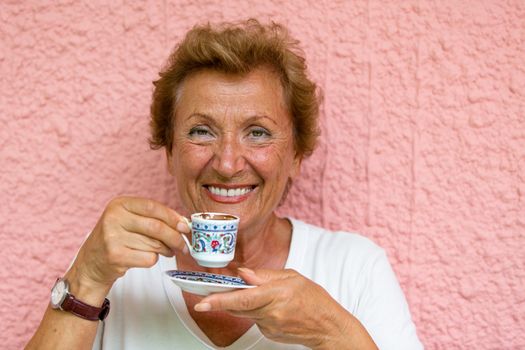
(63, 300)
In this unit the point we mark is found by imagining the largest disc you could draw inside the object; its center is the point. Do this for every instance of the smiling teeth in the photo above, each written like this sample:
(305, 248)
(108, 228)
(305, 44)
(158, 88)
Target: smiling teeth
(232, 192)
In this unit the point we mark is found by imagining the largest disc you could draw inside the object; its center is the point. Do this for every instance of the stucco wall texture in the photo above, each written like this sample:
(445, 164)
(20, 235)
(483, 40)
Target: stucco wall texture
(423, 145)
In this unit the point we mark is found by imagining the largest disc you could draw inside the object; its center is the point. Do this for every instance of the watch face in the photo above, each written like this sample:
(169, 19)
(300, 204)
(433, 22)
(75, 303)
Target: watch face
(58, 293)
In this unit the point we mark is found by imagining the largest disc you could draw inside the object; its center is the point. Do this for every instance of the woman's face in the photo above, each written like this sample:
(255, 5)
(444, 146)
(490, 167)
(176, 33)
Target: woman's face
(233, 148)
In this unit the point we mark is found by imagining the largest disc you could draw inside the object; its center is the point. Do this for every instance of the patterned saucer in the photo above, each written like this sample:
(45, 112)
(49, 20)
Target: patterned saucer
(204, 283)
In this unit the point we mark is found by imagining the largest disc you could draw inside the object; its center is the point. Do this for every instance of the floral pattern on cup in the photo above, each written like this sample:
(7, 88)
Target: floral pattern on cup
(219, 242)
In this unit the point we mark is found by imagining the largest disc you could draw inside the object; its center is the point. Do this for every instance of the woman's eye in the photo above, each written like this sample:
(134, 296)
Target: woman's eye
(200, 132)
(259, 133)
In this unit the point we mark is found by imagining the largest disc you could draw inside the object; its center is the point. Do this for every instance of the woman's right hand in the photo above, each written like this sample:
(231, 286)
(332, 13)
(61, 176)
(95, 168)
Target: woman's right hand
(131, 232)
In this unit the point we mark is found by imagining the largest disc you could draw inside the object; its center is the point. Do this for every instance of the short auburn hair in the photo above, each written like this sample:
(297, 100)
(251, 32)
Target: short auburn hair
(238, 48)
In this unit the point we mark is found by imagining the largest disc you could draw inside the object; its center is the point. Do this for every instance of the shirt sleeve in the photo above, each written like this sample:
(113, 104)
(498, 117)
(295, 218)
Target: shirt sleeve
(382, 307)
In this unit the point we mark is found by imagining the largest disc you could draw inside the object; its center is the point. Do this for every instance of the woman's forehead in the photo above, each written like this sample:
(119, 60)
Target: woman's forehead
(210, 92)
(257, 81)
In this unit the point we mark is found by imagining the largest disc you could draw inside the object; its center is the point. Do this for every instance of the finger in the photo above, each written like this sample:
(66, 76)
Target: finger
(153, 209)
(243, 300)
(138, 258)
(155, 229)
(184, 225)
(255, 314)
(143, 243)
(262, 276)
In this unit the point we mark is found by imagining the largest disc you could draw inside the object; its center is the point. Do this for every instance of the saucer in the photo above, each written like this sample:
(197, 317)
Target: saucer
(204, 283)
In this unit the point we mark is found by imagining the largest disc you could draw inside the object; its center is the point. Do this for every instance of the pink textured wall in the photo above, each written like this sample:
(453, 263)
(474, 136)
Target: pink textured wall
(423, 145)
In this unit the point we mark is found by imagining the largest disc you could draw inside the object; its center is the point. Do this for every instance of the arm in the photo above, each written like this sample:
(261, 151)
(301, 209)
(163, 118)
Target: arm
(290, 308)
(63, 330)
(131, 232)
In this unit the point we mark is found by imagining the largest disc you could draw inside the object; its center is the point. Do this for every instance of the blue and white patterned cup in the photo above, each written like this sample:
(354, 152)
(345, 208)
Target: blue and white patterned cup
(213, 238)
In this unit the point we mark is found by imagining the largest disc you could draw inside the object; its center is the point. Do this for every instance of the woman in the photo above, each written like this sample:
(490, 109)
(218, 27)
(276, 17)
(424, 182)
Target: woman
(236, 114)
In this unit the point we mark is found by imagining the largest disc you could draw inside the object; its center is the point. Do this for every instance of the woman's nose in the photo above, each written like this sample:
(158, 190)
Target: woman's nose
(228, 158)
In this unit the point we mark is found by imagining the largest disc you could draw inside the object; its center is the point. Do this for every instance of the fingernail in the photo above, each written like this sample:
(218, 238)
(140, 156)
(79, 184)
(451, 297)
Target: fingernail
(201, 307)
(246, 270)
(182, 227)
(185, 250)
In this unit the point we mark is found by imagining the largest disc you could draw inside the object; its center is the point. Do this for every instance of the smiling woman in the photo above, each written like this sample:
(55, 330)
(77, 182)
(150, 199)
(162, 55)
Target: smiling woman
(233, 135)
(236, 114)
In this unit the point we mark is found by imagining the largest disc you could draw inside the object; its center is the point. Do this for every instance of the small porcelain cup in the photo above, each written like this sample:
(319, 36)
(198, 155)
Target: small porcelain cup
(213, 238)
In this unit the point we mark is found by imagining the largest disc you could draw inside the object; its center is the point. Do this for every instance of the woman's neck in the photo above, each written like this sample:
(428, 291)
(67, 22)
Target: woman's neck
(265, 245)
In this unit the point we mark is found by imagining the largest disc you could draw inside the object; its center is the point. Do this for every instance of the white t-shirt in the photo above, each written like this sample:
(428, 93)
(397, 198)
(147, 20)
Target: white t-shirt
(149, 312)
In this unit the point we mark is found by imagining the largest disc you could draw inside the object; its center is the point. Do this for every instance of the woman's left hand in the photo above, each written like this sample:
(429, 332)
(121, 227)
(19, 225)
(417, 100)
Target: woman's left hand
(289, 308)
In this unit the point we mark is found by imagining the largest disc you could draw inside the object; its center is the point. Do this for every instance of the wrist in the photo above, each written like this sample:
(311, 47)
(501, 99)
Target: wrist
(86, 290)
(337, 335)
(346, 332)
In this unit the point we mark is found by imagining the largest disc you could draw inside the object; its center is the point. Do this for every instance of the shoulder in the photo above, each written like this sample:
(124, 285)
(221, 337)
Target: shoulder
(341, 262)
(357, 274)
(327, 244)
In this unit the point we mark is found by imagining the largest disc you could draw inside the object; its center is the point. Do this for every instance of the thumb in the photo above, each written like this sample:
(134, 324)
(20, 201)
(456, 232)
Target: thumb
(262, 276)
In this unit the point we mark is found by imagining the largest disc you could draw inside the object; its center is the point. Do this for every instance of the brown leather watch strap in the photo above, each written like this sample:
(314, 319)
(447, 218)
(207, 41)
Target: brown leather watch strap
(81, 309)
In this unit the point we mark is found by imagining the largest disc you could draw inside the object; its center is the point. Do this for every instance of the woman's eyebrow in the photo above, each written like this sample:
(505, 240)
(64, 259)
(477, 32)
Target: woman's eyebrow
(259, 117)
(251, 119)
(200, 115)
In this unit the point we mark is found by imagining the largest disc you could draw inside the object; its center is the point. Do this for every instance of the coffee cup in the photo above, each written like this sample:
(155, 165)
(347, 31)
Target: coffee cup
(213, 238)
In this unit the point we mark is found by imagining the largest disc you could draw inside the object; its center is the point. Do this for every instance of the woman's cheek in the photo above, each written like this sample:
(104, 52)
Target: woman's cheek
(194, 157)
(272, 157)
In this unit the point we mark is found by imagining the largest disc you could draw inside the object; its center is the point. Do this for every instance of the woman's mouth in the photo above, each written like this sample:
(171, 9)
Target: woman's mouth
(229, 194)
